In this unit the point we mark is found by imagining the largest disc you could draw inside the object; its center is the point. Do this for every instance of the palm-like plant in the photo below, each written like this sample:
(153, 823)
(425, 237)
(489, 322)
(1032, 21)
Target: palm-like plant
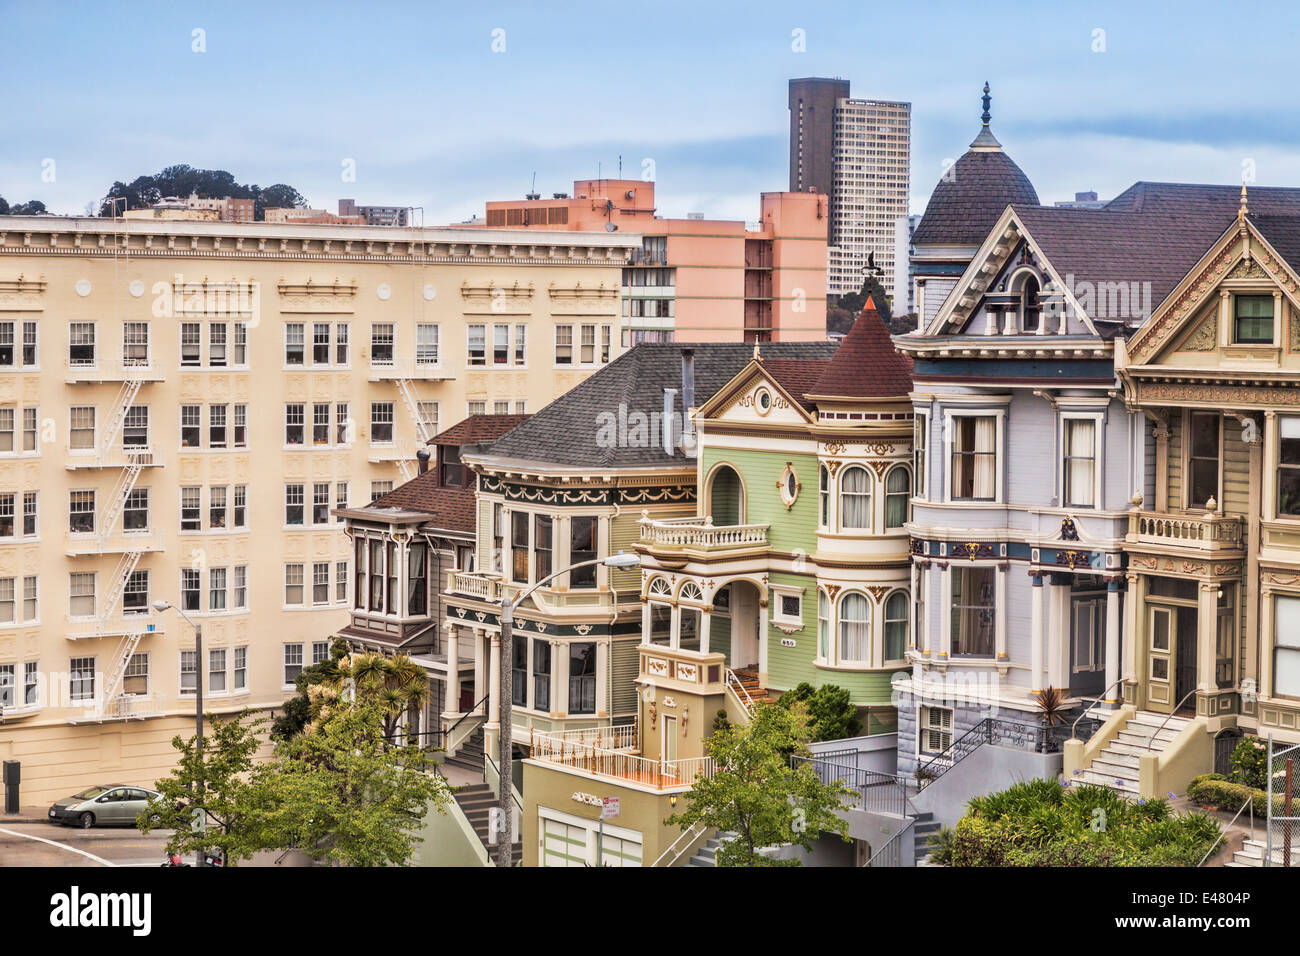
(400, 685)
(1051, 706)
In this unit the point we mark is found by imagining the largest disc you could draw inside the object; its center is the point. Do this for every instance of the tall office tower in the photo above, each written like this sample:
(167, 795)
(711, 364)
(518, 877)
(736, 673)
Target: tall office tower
(858, 152)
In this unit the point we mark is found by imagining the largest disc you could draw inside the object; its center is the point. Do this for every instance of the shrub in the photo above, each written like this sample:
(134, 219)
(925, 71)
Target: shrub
(1216, 790)
(1250, 763)
(941, 843)
(834, 715)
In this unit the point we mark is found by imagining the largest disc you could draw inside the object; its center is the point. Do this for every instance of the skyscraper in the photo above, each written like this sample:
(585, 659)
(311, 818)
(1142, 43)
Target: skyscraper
(858, 152)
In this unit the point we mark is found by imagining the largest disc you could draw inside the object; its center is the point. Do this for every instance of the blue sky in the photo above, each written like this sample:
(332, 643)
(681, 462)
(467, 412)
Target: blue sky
(434, 118)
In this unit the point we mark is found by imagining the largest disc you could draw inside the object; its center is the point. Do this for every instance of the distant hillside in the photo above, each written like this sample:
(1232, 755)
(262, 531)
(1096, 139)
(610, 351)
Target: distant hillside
(182, 181)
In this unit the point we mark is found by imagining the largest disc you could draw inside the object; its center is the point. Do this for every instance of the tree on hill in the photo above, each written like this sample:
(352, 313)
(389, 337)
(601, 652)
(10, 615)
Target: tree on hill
(182, 181)
(33, 208)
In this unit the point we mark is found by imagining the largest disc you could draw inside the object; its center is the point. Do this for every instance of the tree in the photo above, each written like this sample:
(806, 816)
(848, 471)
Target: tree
(756, 793)
(831, 709)
(297, 710)
(182, 180)
(33, 208)
(227, 802)
(399, 684)
(342, 792)
(280, 196)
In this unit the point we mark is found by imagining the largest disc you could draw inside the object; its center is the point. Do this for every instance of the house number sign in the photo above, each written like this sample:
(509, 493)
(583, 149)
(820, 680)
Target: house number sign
(787, 642)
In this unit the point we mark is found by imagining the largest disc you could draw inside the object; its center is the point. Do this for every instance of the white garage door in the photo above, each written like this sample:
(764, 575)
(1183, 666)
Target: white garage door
(567, 840)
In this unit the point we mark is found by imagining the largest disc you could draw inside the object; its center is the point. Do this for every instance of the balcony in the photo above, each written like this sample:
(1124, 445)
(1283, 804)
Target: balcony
(124, 707)
(117, 624)
(474, 584)
(1202, 534)
(700, 536)
(390, 370)
(610, 753)
(114, 369)
(115, 457)
(118, 542)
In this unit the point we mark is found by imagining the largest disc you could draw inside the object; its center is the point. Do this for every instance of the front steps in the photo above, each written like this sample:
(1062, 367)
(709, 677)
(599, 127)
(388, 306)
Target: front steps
(1252, 854)
(1117, 764)
(925, 826)
(707, 855)
(470, 754)
(477, 802)
(748, 677)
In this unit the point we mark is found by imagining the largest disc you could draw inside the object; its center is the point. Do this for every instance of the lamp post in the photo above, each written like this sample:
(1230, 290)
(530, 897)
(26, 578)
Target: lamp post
(505, 704)
(161, 606)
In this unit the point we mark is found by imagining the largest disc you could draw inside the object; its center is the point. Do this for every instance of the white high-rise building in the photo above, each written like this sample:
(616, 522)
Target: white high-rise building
(869, 191)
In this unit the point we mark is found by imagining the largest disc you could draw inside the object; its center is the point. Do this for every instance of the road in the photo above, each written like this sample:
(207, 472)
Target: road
(21, 845)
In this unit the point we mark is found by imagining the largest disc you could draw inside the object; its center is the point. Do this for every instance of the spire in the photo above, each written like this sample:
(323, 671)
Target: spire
(1242, 211)
(756, 356)
(986, 140)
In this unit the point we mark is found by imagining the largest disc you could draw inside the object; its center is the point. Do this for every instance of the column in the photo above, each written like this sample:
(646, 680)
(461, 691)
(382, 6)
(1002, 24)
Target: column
(495, 702)
(1264, 686)
(1058, 632)
(555, 677)
(452, 703)
(762, 638)
(990, 320)
(1037, 635)
(706, 618)
(1112, 641)
(924, 636)
(945, 611)
(602, 677)
(645, 621)
(1161, 433)
(480, 671)
(1207, 628)
(1133, 631)
(1000, 621)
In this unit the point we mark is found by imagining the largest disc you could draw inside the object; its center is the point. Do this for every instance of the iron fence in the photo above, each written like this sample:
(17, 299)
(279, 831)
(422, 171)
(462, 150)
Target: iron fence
(1030, 737)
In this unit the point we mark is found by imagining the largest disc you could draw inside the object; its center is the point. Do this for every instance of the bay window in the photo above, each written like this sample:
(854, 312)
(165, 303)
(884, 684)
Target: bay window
(1079, 446)
(855, 499)
(1288, 467)
(582, 547)
(1203, 459)
(541, 675)
(855, 628)
(1286, 646)
(898, 492)
(974, 457)
(582, 678)
(974, 611)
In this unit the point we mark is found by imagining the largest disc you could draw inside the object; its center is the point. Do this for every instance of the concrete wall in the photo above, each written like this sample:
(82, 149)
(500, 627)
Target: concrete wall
(987, 770)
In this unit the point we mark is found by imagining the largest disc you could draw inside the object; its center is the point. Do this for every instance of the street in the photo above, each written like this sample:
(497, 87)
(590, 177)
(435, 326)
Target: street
(46, 844)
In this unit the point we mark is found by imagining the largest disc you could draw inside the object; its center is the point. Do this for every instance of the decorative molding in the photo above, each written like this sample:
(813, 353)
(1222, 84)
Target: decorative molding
(1205, 337)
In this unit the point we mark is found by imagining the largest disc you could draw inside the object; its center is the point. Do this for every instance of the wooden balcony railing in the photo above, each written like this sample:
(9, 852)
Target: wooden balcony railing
(701, 534)
(1206, 532)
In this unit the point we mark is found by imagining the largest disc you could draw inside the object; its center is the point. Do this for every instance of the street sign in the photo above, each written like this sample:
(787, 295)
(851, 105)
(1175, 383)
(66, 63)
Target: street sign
(609, 808)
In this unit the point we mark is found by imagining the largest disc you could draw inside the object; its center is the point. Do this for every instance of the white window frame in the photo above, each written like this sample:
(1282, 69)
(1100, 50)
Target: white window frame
(1098, 444)
(785, 590)
(999, 449)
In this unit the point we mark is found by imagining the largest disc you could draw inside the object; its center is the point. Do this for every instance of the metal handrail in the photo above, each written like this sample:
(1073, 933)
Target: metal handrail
(1094, 701)
(694, 832)
(1170, 716)
(740, 689)
(889, 844)
(1250, 802)
(469, 713)
(488, 757)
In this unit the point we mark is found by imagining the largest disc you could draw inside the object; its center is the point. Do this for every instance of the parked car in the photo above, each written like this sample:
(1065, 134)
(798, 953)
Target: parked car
(106, 805)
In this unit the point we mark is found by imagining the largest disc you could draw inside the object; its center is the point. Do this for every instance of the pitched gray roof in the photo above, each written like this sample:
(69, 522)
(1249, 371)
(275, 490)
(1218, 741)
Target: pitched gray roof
(566, 432)
(1283, 234)
(970, 197)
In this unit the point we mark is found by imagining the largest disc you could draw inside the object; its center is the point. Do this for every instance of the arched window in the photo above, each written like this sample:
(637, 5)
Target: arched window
(896, 626)
(824, 495)
(855, 628)
(855, 498)
(1031, 309)
(823, 626)
(898, 489)
(726, 497)
(661, 613)
(691, 592)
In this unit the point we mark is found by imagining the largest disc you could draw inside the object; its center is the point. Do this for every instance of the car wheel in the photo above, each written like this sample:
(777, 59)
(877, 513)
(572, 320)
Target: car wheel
(86, 820)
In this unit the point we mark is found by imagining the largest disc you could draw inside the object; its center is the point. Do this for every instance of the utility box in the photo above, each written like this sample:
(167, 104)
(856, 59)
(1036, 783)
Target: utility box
(11, 776)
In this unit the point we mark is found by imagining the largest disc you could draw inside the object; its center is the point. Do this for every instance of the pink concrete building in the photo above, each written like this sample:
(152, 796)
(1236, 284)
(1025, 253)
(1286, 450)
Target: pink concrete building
(696, 279)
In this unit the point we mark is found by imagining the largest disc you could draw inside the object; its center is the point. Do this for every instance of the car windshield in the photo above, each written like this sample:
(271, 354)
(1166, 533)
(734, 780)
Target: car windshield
(90, 793)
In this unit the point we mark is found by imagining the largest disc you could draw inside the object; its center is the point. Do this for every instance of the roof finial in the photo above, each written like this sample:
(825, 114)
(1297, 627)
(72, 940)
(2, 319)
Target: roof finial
(1241, 212)
(986, 116)
(986, 141)
(757, 357)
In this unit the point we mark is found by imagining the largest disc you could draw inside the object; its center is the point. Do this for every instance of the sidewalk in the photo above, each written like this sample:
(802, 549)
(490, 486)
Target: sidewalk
(27, 814)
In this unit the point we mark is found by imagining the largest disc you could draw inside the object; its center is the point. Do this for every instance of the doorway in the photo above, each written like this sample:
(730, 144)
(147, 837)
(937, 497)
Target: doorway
(744, 625)
(726, 497)
(669, 750)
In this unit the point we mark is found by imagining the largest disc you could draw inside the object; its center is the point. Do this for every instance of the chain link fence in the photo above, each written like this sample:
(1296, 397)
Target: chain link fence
(1282, 837)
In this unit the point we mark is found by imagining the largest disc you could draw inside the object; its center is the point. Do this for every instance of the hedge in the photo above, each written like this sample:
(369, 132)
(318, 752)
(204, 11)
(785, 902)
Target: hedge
(1216, 790)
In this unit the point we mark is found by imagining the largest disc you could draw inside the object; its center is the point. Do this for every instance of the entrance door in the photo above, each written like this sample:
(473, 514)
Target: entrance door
(1087, 650)
(1171, 647)
(1185, 659)
(670, 739)
(744, 625)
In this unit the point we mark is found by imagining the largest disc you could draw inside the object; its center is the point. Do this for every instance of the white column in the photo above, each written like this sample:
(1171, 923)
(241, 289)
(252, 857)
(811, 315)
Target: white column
(1113, 695)
(925, 636)
(452, 704)
(1058, 635)
(762, 638)
(706, 618)
(645, 622)
(555, 677)
(495, 703)
(1207, 634)
(1037, 634)
(480, 671)
(1000, 621)
(602, 677)
(945, 611)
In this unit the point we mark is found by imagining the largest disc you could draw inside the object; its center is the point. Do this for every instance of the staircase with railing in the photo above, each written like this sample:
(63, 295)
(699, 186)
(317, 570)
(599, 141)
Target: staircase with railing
(1039, 738)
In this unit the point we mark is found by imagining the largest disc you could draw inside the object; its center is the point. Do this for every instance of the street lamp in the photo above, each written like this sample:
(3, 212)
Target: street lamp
(505, 705)
(160, 606)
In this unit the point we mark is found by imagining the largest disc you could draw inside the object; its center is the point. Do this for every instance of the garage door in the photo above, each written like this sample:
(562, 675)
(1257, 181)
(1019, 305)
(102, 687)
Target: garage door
(562, 844)
(567, 840)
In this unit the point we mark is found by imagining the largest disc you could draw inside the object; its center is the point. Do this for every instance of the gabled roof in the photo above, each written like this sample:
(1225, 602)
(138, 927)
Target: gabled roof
(797, 376)
(478, 428)
(567, 432)
(1282, 233)
(448, 509)
(866, 365)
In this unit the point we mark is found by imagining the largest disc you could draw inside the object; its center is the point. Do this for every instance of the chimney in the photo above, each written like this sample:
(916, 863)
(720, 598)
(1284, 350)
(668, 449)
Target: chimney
(688, 394)
(422, 456)
(666, 422)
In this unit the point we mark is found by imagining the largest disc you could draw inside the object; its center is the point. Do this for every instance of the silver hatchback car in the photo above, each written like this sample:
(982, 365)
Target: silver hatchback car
(114, 805)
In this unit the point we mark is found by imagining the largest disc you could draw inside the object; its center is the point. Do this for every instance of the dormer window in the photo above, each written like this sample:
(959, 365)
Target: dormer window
(453, 472)
(1031, 311)
(1252, 319)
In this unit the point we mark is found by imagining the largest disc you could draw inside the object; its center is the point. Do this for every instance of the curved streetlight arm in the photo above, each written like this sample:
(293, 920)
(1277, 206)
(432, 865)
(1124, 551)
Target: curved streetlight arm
(508, 606)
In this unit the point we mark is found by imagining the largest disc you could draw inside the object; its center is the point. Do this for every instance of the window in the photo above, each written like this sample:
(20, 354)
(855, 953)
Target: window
(81, 678)
(135, 680)
(294, 345)
(341, 582)
(320, 343)
(541, 675)
(1288, 467)
(417, 580)
(605, 343)
(1286, 646)
(29, 514)
(342, 424)
(7, 515)
(31, 684)
(381, 343)
(564, 345)
(582, 678)
(191, 344)
(788, 606)
(8, 357)
(521, 407)
(341, 343)
(240, 354)
(855, 498)
(240, 436)
(135, 594)
(320, 503)
(293, 504)
(824, 496)
(519, 673)
(31, 599)
(293, 585)
(191, 426)
(320, 582)
(29, 343)
(823, 626)
(6, 429)
(135, 427)
(81, 594)
(239, 675)
(29, 429)
(428, 412)
(240, 505)
(191, 590)
(896, 608)
(1203, 459)
(135, 343)
(379, 488)
(239, 588)
(521, 344)
(476, 345)
(500, 345)
(519, 546)
(320, 423)
(8, 608)
(217, 341)
(216, 426)
(582, 547)
(81, 425)
(1080, 447)
(81, 512)
(500, 408)
(475, 408)
(191, 509)
(1252, 319)
(426, 344)
(376, 575)
(294, 423)
(217, 670)
(588, 353)
(189, 671)
(320, 651)
(216, 589)
(217, 508)
(855, 628)
(381, 422)
(135, 513)
(974, 612)
(974, 457)
(936, 729)
(394, 600)
(341, 494)
(542, 546)
(81, 344)
(898, 491)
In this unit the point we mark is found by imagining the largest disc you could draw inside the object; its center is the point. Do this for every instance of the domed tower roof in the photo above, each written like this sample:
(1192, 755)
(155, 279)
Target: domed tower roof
(973, 193)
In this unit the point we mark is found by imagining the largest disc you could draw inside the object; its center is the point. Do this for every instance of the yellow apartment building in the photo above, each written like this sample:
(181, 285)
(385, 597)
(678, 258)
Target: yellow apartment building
(183, 404)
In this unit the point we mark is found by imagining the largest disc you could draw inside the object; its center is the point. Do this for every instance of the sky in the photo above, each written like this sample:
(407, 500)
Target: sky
(444, 106)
